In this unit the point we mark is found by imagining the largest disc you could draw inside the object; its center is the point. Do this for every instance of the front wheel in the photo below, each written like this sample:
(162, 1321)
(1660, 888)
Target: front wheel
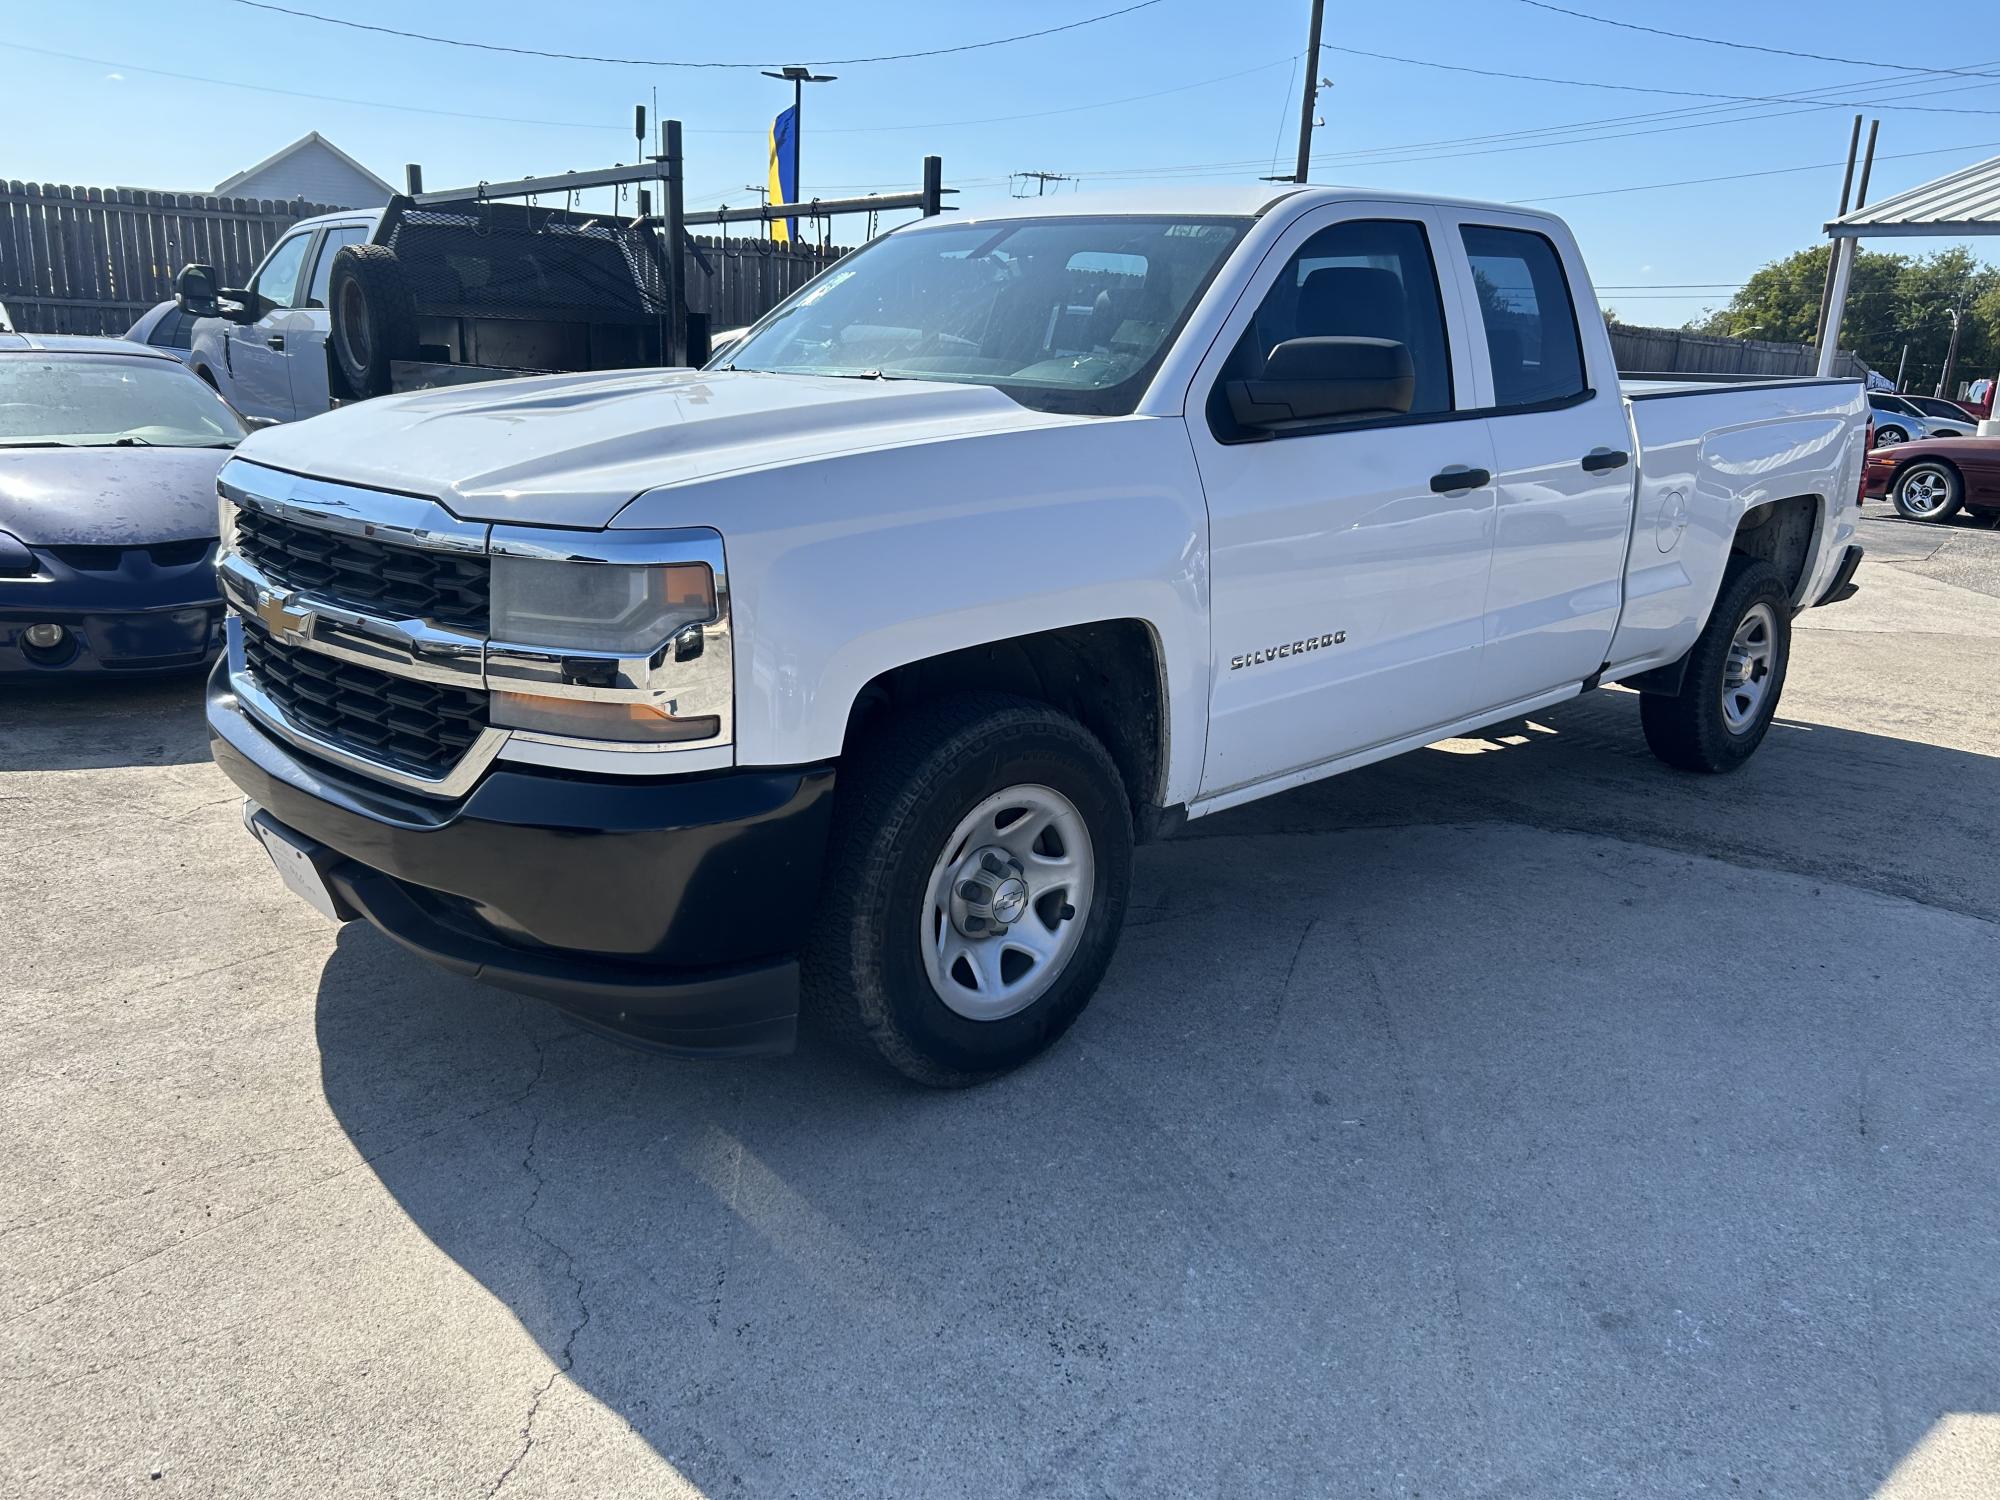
(1888, 434)
(975, 888)
(1735, 672)
(1928, 491)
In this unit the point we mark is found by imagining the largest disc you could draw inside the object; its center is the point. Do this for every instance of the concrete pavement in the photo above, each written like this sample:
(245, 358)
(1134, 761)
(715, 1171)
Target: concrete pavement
(1518, 1118)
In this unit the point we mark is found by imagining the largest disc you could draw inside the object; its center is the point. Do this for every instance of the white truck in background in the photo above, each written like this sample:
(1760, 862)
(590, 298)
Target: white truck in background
(855, 664)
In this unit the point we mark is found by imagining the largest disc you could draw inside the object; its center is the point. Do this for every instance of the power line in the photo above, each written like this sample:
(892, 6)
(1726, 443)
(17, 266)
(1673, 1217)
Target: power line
(1818, 166)
(666, 62)
(1716, 41)
(1627, 88)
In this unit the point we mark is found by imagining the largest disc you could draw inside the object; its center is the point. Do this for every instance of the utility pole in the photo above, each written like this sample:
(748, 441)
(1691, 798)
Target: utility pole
(1041, 181)
(1311, 95)
(1902, 365)
(1846, 192)
(1951, 352)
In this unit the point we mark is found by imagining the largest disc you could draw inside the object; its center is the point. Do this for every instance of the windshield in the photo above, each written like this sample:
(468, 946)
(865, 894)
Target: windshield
(106, 400)
(1061, 314)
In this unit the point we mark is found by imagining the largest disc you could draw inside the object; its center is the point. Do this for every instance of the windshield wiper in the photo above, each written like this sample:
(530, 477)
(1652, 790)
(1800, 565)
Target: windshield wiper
(43, 443)
(133, 442)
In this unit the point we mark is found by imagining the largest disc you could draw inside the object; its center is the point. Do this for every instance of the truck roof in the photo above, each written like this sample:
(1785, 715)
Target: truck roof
(1242, 200)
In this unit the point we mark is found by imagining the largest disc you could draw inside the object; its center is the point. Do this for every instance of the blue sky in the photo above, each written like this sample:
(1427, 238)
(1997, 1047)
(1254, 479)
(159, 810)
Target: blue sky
(1225, 80)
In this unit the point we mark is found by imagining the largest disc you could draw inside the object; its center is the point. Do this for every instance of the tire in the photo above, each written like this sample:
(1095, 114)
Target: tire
(1714, 723)
(887, 926)
(374, 317)
(1930, 490)
(1890, 433)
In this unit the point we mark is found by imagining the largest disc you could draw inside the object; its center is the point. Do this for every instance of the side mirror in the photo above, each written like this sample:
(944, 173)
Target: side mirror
(194, 292)
(257, 424)
(1320, 379)
(238, 305)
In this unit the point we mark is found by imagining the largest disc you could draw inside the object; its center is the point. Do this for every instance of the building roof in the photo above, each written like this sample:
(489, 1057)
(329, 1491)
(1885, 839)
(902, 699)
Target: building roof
(309, 139)
(1963, 202)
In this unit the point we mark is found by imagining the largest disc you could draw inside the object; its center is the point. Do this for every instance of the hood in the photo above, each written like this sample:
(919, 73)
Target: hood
(117, 497)
(574, 450)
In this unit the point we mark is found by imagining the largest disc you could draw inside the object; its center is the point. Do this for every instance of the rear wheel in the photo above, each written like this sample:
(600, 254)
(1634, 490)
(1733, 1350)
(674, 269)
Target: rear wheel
(1735, 673)
(1889, 433)
(976, 886)
(374, 316)
(1928, 491)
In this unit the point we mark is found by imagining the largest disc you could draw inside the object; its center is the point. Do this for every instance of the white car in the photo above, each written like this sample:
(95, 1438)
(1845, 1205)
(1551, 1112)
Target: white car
(1898, 419)
(855, 664)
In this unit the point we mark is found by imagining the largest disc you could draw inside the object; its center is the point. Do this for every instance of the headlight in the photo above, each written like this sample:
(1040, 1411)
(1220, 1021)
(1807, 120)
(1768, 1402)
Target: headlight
(611, 636)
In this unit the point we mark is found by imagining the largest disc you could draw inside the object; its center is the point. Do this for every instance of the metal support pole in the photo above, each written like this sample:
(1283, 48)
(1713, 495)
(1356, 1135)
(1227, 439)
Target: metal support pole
(933, 193)
(413, 178)
(1843, 272)
(1951, 353)
(1311, 95)
(676, 232)
(1846, 192)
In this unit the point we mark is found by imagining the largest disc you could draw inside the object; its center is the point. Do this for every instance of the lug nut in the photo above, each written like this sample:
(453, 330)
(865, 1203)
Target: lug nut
(972, 890)
(993, 863)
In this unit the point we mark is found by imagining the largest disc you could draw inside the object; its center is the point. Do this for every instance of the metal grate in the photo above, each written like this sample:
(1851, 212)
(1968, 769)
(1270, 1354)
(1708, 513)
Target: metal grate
(412, 726)
(509, 260)
(448, 588)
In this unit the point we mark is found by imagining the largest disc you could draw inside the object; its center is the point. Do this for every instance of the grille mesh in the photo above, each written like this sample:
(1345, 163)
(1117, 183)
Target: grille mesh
(410, 725)
(395, 582)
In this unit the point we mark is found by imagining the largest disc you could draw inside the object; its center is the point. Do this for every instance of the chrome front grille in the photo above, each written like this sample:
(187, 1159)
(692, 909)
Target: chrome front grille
(421, 728)
(394, 582)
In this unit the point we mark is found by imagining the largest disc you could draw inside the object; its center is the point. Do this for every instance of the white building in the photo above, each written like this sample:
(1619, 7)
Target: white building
(312, 168)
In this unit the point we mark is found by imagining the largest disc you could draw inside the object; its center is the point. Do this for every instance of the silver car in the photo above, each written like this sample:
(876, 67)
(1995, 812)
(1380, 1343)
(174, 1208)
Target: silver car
(1898, 420)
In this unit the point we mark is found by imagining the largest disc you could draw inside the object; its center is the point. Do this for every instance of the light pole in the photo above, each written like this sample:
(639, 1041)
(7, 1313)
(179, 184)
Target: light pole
(798, 77)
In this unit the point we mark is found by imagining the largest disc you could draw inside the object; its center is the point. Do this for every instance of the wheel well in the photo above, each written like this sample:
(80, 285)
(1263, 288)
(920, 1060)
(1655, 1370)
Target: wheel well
(1781, 533)
(1106, 675)
(1924, 458)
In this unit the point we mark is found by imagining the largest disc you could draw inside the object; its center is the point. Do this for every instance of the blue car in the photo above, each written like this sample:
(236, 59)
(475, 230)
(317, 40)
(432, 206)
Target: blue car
(108, 457)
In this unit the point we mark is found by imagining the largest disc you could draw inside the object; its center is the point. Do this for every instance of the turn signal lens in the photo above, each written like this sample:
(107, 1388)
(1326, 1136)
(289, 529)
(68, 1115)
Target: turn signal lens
(627, 723)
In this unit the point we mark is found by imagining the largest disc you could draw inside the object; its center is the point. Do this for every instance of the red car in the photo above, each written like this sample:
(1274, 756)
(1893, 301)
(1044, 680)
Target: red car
(1932, 478)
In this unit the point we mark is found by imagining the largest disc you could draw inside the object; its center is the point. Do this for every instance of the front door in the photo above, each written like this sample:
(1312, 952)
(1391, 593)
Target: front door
(1349, 559)
(259, 373)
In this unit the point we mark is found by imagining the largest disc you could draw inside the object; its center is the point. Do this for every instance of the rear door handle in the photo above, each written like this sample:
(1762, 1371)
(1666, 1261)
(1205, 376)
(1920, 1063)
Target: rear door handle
(1454, 479)
(1603, 460)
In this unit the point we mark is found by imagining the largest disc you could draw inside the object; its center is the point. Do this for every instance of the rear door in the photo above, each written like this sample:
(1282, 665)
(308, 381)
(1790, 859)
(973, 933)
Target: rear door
(1347, 562)
(260, 375)
(1562, 465)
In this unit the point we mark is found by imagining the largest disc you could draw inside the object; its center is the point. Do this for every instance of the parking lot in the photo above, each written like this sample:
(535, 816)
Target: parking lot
(1516, 1118)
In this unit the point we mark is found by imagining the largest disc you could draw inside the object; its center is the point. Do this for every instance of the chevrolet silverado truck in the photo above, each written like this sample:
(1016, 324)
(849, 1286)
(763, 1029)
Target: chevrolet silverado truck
(844, 674)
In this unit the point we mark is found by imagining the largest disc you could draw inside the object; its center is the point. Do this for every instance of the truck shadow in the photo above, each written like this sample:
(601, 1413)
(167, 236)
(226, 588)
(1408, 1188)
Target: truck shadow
(1455, 1127)
(101, 722)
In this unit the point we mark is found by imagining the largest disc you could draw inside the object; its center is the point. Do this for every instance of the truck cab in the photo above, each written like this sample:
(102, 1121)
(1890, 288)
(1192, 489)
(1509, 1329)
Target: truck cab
(849, 669)
(267, 352)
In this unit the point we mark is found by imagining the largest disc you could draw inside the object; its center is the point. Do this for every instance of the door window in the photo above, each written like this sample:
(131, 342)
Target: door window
(1366, 278)
(1524, 301)
(277, 283)
(330, 244)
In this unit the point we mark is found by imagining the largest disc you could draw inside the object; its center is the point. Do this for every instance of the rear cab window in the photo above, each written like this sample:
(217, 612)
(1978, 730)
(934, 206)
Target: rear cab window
(1532, 338)
(331, 243)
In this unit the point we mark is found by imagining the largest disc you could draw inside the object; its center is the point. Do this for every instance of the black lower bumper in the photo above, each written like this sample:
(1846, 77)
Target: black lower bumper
(129, 642)
(670, 910)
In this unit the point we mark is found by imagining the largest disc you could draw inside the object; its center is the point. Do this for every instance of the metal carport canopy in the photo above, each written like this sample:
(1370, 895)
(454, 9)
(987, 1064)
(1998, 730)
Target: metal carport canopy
(1959, 204)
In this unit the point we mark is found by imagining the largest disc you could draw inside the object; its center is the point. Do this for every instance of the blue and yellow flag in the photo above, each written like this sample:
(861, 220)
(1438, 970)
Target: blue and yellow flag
(785, 171)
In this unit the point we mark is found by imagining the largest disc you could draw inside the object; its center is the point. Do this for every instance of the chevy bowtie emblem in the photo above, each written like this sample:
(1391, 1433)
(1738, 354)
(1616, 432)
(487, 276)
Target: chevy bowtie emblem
(286, 621)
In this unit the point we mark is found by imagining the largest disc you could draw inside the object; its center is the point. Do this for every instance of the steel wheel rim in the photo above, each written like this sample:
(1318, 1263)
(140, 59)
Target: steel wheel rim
(1746, 672)
(997, 953)
(1925, 492)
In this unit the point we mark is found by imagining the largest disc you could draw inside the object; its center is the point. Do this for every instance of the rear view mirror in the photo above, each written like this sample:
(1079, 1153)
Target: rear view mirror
(194, 292)
(1319, 379)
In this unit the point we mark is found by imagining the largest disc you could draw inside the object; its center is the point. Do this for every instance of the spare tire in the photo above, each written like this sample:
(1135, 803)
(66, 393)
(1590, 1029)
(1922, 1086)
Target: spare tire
(374, 316)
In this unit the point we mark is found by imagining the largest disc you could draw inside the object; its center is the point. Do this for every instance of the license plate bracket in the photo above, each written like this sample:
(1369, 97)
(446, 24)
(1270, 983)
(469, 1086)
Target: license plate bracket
(300, 862)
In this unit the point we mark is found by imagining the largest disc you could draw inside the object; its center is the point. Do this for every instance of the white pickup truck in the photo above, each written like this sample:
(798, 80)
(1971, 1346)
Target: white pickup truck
(854, 665)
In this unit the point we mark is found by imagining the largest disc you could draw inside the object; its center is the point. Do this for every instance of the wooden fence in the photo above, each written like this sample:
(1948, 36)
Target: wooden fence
(90, 260)
(1677, 351)
(746, 278)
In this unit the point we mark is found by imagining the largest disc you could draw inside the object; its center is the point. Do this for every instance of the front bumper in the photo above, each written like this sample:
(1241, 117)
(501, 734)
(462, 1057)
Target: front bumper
(125, 613)
(668, 909)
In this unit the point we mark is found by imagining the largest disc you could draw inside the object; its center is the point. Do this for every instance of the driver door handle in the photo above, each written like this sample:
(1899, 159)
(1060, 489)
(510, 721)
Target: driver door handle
(1452, 480)
(277, 341)
(1604, 460)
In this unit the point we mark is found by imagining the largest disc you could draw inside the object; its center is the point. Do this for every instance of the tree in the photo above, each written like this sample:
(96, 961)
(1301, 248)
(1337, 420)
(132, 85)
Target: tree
(1892, 300)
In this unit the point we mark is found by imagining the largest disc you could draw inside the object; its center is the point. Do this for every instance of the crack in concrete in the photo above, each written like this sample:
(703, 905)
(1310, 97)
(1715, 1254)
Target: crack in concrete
(566, 1359)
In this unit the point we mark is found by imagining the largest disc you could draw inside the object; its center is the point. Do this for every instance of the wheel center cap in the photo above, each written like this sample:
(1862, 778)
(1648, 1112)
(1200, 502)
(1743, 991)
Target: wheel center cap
(1010, 900)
